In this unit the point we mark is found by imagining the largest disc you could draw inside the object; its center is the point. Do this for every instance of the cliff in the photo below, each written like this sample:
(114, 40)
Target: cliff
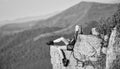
(93, 58)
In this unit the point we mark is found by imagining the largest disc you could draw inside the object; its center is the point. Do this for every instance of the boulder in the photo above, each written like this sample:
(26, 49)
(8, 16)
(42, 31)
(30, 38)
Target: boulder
(88, 46)
(111, 51)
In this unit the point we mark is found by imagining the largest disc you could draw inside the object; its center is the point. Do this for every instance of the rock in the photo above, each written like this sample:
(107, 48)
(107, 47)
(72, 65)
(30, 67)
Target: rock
(56, 59)
(88, 49)
(104, 50)
(89, 67)
(110, 50)
(94, 32)
(87, 45)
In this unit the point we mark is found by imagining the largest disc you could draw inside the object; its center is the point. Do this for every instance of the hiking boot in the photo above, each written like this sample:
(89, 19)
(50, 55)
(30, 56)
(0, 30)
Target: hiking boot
(50, 43)
(65, 62)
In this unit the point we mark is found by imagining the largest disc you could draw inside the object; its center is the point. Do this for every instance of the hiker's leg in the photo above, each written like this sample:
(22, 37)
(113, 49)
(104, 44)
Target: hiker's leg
(60, 52)
(65, 61)
(61, 39)
(58, 40)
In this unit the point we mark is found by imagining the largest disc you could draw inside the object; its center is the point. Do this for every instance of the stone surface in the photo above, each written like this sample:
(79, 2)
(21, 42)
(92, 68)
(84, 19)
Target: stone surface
(88, 46)
(111, 56)
(56, 58)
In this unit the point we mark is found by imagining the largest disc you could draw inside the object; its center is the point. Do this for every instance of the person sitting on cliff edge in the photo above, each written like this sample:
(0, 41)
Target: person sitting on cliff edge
(69, 44)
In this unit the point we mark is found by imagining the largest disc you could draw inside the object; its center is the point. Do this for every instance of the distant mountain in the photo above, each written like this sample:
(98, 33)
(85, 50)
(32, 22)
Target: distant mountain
(78, 14)
(28, 49)
(21, 24)
(29, 18)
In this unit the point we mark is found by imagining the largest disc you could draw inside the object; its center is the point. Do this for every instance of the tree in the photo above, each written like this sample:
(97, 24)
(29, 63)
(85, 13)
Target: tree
(103, 27)
(116, 18)
(107, 24)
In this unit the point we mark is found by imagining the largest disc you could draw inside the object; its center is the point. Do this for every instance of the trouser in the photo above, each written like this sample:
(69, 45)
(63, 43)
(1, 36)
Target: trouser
(65, 60)
(61, 39)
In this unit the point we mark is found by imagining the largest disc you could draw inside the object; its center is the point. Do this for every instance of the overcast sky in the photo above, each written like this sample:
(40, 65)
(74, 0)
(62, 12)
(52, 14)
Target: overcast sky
(13, 9)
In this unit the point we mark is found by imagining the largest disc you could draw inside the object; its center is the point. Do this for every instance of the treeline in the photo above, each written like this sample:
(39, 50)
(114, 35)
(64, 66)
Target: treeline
(105, 25)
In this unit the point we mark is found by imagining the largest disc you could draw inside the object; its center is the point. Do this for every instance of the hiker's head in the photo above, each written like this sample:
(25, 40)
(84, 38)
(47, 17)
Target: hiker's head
(94, 32)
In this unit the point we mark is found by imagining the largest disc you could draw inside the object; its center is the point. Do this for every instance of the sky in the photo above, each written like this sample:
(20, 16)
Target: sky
(15, 9)
(12, 9)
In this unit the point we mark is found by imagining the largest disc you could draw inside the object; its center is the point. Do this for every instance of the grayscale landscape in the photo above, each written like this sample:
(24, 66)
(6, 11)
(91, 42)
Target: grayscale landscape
(23, 45)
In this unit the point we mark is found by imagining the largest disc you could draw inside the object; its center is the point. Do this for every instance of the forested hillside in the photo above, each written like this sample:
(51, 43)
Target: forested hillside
(28, 49)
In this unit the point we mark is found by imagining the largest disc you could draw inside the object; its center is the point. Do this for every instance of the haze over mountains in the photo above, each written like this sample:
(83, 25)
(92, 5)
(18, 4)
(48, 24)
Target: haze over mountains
(82, 12)
(28, 19)
(13, 9)
(17, 25)
(28, 50)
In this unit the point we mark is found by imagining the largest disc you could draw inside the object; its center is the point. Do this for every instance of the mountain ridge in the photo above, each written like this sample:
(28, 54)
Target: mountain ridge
(28, 50)
(66, 17)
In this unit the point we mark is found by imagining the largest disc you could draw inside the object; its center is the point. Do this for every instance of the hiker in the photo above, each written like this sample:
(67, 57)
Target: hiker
(69, 44)
(67, 41)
